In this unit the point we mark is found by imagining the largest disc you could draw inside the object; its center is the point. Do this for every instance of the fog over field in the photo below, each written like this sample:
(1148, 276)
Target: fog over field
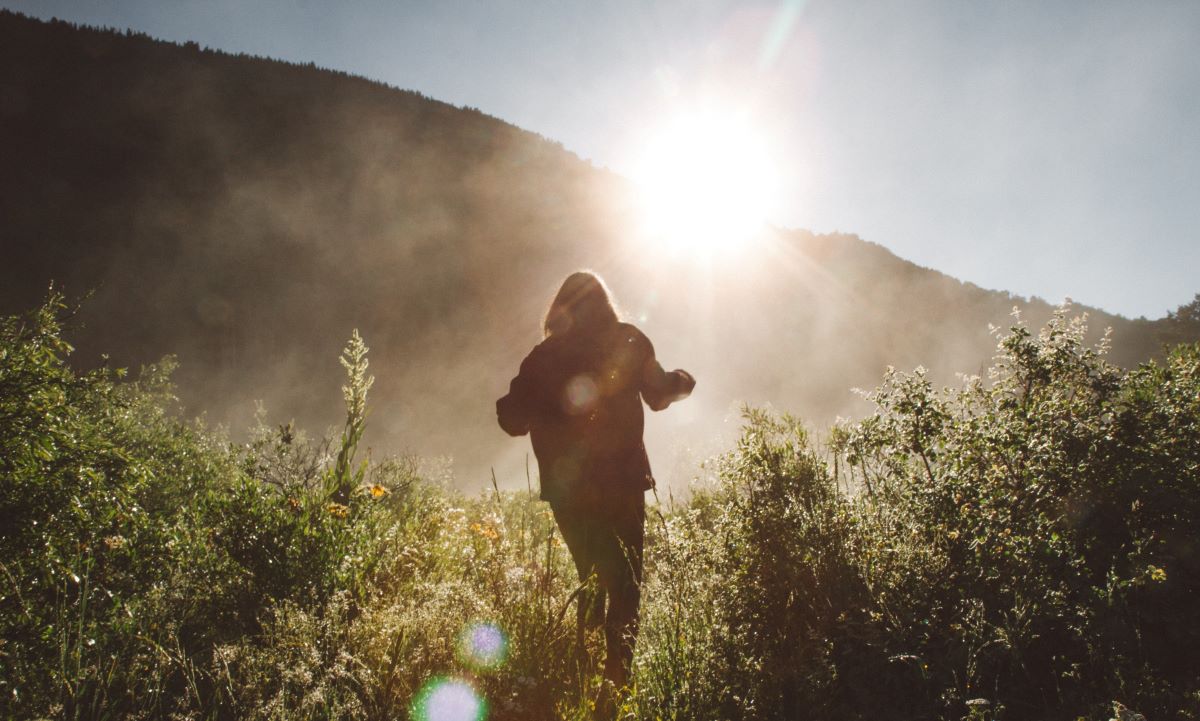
(245, 215)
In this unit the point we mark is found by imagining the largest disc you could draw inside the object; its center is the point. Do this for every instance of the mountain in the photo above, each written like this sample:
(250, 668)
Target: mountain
(245, 214)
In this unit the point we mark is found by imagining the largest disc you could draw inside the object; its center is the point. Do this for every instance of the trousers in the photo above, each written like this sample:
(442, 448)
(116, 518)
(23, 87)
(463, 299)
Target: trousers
(607, 540)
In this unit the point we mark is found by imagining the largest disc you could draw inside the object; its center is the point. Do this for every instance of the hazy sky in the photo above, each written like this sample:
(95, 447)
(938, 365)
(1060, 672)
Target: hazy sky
(1046, 148)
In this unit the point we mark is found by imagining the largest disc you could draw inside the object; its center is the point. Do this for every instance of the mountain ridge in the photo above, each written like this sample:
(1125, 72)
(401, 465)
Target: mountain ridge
(245, 214)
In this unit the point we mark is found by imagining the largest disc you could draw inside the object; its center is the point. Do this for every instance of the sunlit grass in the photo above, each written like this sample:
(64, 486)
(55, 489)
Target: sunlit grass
(958, 576)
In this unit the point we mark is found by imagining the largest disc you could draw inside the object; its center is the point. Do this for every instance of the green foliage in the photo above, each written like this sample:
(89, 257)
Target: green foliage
(134, 544)
(1016, 548)
(152, 569)
(1053, 503)
(1182, 325)
(1020, 546)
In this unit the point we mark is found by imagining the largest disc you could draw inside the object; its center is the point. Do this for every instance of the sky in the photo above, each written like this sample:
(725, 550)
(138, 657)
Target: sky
(1046, 149)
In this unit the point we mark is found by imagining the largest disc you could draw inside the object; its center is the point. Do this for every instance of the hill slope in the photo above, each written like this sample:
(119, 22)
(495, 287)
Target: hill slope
(245, 214)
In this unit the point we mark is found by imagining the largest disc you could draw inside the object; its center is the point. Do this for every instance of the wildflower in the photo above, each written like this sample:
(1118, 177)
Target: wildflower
(378, 491)
(485, 530)
(1156, 574)
(338, 510)
(953, 535)
(114, 542)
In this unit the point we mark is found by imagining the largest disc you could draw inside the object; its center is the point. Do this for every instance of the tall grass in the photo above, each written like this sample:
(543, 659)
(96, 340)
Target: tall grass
(1020, 547)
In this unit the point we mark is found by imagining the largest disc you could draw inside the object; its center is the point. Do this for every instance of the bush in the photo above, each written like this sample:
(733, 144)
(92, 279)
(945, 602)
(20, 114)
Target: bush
(134, 544)
(1017, 547)
(1054, 502)
(1021, 547)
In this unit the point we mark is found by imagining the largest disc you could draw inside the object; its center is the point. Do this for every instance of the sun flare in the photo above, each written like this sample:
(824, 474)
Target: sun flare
(706, 182)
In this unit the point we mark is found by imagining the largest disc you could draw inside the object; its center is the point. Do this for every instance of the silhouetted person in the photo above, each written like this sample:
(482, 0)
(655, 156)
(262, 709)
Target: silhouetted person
(579, 395)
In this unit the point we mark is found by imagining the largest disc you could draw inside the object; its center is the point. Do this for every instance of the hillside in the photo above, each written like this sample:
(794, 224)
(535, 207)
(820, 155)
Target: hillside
(246, 214)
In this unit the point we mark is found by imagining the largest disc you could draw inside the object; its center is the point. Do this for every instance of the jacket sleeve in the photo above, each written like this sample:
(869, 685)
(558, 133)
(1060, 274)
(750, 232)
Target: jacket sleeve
(661, 388)
(515, 411)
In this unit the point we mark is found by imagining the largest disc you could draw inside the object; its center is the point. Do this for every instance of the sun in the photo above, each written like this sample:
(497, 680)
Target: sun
(706, 182)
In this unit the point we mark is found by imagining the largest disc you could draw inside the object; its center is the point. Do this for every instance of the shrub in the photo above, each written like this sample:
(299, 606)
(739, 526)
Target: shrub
(1017, 547)
(134, 544)
(1021, 546)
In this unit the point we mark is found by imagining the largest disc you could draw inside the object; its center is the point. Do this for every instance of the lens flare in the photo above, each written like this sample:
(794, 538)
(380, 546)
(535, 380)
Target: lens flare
(448, 699)
(580, 394)
(483, 646)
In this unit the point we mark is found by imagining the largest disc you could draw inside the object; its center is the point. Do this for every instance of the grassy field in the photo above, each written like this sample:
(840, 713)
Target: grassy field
(1020, 547)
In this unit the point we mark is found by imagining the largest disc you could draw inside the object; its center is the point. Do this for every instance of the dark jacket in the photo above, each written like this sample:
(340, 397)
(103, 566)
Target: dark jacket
(577, 395)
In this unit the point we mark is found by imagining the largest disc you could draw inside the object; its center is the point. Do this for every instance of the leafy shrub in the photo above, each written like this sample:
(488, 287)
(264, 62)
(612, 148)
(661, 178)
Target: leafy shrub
(1054, 502)
(1017, 547)
(134, 543)
(1021, 547)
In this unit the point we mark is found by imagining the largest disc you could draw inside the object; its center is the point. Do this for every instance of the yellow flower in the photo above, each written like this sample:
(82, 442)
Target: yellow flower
(1156, 574)
(339, 510)
(487, 531)
(378, 491)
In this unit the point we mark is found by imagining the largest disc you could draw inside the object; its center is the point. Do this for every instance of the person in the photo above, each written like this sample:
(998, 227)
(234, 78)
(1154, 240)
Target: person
(579, 396)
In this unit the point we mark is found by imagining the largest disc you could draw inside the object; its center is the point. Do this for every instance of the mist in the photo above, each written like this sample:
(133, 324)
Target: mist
(245, 215)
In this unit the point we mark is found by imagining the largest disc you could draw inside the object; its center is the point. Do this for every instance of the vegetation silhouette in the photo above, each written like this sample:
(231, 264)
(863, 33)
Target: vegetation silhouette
(579, 397)
(1021, 546)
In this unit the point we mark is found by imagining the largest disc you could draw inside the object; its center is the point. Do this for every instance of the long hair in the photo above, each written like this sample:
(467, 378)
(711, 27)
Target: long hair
(582, 303)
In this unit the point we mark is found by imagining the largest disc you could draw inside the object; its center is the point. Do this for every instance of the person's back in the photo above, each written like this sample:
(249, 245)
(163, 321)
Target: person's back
(579, 396)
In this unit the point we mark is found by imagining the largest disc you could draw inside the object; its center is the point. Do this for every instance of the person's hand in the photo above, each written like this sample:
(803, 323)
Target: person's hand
(686, 382)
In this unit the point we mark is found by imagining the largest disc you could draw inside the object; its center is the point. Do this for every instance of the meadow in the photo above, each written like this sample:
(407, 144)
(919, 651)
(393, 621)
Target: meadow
(1021, 546)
